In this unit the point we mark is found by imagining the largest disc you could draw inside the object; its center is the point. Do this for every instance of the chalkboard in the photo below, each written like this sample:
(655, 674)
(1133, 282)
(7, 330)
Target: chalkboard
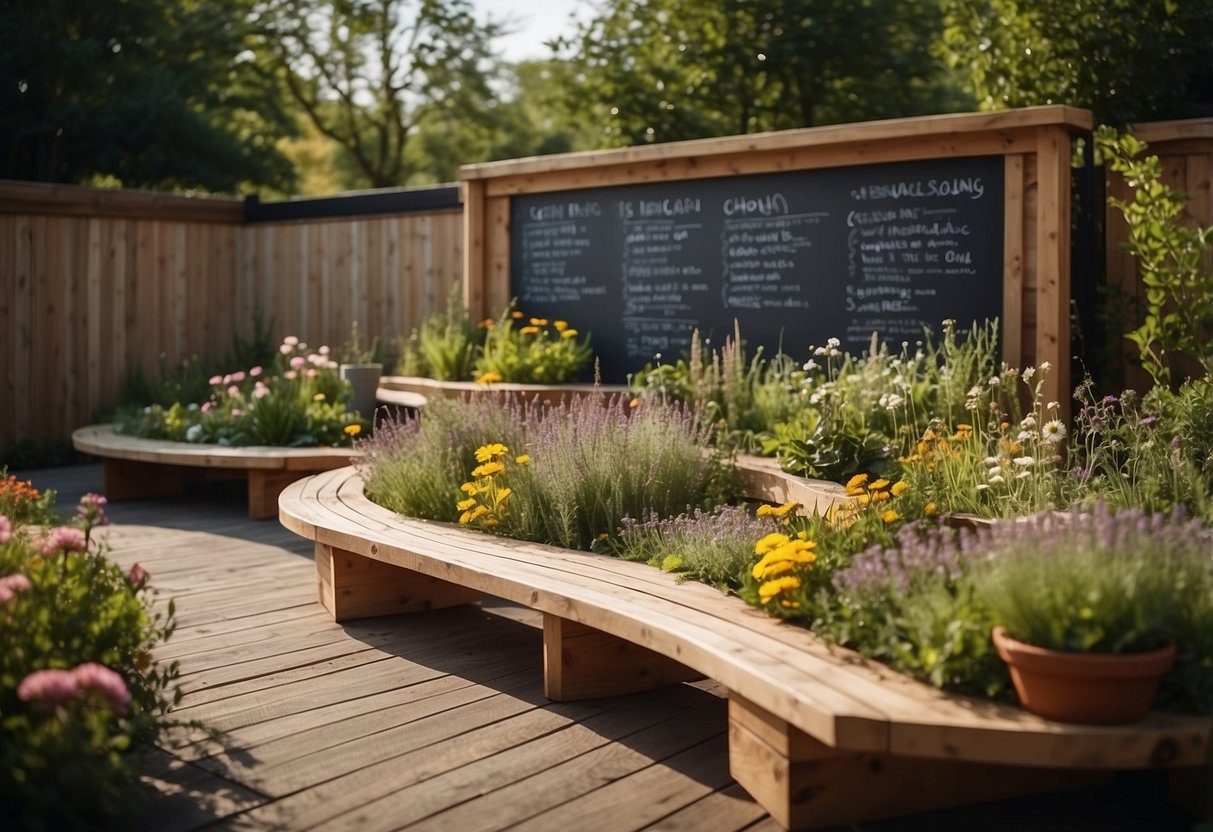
(795, 258)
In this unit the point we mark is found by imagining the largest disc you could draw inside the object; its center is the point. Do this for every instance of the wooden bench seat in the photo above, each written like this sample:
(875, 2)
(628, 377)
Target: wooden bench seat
(136, 468)
(818, 735)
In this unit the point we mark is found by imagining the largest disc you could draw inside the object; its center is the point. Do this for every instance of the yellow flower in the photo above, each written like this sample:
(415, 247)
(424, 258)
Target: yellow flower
(900, 487)
(472, 515)
(862, 500)
(464, 505)
(929, 510)
(516, 314)
(634, 403)
(487, 452)
(569, 333)
(857, 481)
(772, 588)
(352, 430)
(500, 496)
(881, 497)
(488, 469)
(890, 516)
(319, 397)
(488, 378)
(561, 326)
(539, 321)
(529, 330)
(604, 535)
(470, 488)
(879, 485)
(777, 511)
(523, 459)
(771, 541)
(487, 323)
(770, 570)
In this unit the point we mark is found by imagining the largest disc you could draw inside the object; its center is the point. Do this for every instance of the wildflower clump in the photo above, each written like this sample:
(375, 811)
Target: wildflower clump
(777, 580)
(486, 501)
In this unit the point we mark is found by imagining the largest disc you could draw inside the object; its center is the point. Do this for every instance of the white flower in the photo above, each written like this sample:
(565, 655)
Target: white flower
(994, 471)
(833, 342)
(810, 366)
(995, 479)
(1028, 422)
(1053, 405)
(290, 340)
(1053, 431)
(1023, 461)
(891, 401)
(1045, 366)
(994, 381)
(990, 461)
(983, 487)
(1025, 435)
(1027, 374)
(975, 390)
(1023, 475)
(193, 433)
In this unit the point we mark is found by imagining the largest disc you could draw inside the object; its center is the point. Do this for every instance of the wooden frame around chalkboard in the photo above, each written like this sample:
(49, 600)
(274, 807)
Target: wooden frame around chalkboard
(1035, 143)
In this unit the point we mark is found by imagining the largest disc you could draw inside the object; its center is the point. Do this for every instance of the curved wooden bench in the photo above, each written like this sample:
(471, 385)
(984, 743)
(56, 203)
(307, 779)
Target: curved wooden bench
(817, 735)
(549, 393)
(136, 468)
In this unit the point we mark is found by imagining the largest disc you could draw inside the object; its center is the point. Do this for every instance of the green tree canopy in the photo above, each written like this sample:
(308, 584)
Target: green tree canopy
(366, 72)
(1126, 60)
(660, 70)
(149, 93)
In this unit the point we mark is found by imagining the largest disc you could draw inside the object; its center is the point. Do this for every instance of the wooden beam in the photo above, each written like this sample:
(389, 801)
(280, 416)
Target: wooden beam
(1053, 265)
(474, 236)
(807, 785)
(352, 586)
(580, 662)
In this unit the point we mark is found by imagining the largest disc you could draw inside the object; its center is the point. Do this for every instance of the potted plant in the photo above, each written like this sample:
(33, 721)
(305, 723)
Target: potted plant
(1092, 607)
(359, 365)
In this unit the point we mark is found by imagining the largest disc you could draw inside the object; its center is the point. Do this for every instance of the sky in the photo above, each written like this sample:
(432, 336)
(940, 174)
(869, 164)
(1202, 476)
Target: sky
(534, 21)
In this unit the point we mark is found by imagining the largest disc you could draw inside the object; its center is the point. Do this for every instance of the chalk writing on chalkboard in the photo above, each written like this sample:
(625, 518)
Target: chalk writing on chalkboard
(795, 257)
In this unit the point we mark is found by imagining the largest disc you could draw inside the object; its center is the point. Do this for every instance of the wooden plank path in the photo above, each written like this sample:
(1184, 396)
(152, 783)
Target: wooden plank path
(434, 721)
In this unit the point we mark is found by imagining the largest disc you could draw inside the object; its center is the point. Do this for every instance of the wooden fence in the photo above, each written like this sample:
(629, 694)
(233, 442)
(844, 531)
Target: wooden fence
(96, 283)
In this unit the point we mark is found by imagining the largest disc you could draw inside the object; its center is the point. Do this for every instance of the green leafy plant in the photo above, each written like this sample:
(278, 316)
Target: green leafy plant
(1173, 259)
(531, 351)
(448, 344)
(79, 687)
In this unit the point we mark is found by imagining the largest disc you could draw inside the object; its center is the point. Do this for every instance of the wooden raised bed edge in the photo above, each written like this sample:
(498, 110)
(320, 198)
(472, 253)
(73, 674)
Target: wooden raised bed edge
(137, 468)
(547, 393)
(818, 736)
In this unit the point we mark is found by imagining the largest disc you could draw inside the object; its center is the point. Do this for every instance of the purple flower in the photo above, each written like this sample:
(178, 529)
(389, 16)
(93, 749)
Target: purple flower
(10, 585)
(1110, 399)
(63, 539)
(98, 677)
(1176, 442)
(1149, 420)
(51, 687)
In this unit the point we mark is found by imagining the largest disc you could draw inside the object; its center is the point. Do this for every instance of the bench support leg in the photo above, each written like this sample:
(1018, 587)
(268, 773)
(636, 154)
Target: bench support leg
(353, 586)
(264, 486)
(807, 785)
(580, 662)
(128, 479)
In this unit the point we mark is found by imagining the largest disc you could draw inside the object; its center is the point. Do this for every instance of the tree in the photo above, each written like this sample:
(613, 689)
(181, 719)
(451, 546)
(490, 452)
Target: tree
(659, 70)
(365, 72)
(1126, 60)
(146, 93)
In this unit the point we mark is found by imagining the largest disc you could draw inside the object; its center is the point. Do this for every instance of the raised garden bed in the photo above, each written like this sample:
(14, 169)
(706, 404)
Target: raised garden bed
(136, 468)
(549, 393)
(818, 735)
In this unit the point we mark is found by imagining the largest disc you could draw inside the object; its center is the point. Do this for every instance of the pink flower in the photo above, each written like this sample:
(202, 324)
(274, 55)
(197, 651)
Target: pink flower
(256, 371)
(290, 375)
(216, 380)
(238, 376)
(10, 585)
(290, 340)
(137, 576)
(297, 362)
(91, 509)
(310, 373)
(227, 379)
(92, 498)
(206, 406)
(260, 391)
(236, 412)
(52, 687)
(62, 539)
(233, 390)
(98, 677)
(6, 530)
(285, 349)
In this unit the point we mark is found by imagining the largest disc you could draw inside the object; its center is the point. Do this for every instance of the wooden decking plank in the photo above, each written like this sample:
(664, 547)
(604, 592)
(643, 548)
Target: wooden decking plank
(188, 797)
(653, 792)
(593, 724)
(304, 761)
(728, 808)
(572, 779)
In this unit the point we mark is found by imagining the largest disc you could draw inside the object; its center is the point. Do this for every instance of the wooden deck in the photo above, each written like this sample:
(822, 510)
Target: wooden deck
(435, 721)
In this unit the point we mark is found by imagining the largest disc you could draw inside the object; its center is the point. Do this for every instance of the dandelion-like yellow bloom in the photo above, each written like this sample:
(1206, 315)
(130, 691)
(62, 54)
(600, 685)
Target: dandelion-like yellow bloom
(890, 516)
(900, 487)
(777, 511)
(464, 505)
(491, 377)
(500, 495)
(470, 488)
(516, 315)
(857, 481)
(352, 430)
(488, 469)
(561, 326)
(881, 496)
(472, 515)
(488, 452)
(529, 330)
(770, 589)
(319, 397)
(569, 333)
(770, 542)
(539, 321)
(862, 499)
(792, 552)
(522, 459)
(487, 323)
(878, 485)
(929, 510)
(770, 570)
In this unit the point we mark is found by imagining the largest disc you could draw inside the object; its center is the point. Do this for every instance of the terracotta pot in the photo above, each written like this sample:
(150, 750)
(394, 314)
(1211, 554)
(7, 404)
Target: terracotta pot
(1093, 689)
